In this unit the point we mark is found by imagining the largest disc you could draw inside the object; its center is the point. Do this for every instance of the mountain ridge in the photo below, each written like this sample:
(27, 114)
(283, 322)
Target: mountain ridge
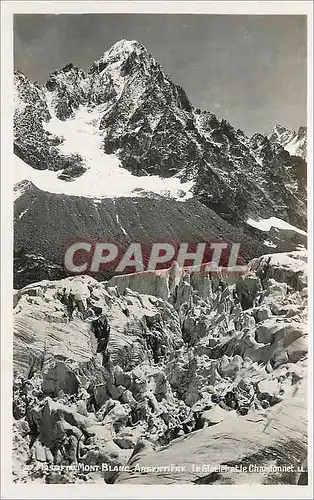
(149, 123)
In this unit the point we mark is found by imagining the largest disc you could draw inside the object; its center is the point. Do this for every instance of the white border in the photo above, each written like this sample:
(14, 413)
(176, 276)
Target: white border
(302, 7)
(30, 491)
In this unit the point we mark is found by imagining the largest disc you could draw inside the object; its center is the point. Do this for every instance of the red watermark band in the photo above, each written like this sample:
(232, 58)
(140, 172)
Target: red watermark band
(84, 257)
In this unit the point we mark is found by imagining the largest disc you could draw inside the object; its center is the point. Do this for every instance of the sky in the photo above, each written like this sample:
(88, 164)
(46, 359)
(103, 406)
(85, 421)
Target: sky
(250, 70)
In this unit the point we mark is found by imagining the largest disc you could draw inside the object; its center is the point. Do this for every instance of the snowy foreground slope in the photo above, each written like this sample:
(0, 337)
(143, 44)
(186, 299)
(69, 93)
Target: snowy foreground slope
(166, 368)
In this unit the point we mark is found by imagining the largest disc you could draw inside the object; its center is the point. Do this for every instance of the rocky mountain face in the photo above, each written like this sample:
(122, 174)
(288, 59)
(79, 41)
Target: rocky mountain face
(293, 142)
(149, 123)
(195, 368)
(32, 142)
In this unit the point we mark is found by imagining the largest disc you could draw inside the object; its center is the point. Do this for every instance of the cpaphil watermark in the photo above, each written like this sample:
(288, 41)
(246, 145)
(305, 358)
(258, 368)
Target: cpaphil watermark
(81, 257)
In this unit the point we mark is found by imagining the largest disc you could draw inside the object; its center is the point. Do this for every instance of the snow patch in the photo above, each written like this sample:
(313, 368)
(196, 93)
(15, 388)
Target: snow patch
(296, 147)
(267, 224)
(269, 243)
(120, 225)
(104, 177)
(295, 261)
(23, 213)
(20, 188)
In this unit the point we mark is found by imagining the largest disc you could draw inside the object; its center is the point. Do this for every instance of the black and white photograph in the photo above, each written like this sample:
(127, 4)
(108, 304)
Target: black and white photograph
(158, 213)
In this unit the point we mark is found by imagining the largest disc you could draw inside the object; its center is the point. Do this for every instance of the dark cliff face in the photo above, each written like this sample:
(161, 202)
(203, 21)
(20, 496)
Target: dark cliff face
(46, 224)
(32, 142)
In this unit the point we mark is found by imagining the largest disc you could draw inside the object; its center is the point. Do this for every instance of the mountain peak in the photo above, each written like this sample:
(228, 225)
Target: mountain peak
(280, 129)
(281, 134)
(125, 46)
(302, 132)
(118, 53)
(293, 142)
